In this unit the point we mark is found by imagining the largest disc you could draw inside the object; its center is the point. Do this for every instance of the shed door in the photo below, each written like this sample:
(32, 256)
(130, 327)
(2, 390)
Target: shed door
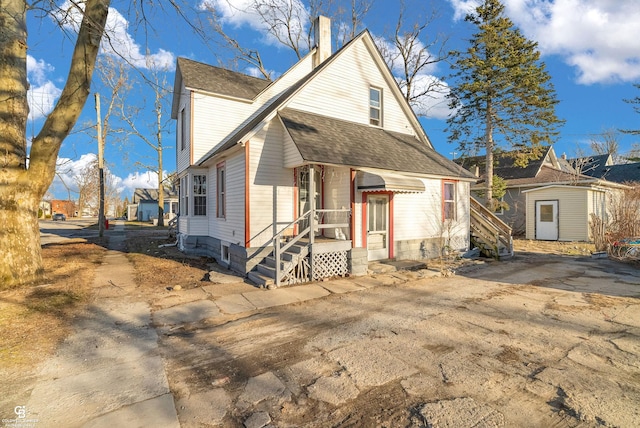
(378, 226)
(547, 220)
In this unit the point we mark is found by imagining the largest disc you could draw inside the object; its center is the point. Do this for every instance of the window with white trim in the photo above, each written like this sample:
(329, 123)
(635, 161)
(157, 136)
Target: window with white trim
(221, 178)
(448, 200)
(184, 196)
(183, 130)
(199, 195)
(375, 106)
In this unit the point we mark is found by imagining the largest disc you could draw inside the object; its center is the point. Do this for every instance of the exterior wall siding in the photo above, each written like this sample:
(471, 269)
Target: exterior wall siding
(350, 97)
(229, 229)
(418, 228)
(573, 212)
(270, 186)
(292, 157)
(215, 118)
(183, 156)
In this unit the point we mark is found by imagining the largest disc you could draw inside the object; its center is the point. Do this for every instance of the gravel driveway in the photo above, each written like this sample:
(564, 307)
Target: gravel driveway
(535, 341)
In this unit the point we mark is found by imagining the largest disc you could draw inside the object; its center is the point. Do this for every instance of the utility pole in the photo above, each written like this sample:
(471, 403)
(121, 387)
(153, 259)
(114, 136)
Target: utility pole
(100, 168)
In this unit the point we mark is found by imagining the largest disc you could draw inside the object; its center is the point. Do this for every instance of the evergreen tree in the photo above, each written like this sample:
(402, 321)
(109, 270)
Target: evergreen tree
(502, 94)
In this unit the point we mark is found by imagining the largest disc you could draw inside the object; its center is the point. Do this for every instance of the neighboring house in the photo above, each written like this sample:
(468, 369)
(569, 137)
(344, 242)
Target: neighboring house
(68, 208)
(548, 199)
(45, 209)
(145, 205)
(326, 167)
(601, 166)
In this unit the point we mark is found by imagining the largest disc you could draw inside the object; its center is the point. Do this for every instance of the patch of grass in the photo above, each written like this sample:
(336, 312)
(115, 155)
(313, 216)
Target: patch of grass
(54, 302)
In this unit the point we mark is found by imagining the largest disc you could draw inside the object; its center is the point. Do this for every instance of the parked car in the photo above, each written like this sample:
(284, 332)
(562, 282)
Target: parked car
(59, 217)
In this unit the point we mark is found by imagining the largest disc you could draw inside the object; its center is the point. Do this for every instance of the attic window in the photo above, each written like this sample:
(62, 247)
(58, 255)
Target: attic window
(375, 106)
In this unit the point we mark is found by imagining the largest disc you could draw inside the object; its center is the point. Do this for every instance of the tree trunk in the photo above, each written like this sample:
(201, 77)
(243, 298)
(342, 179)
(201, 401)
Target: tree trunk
(489, 158)
(22, 187)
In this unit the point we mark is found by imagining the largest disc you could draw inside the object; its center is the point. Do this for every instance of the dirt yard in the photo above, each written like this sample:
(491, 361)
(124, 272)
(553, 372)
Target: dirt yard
(536, 341)
(545, 339)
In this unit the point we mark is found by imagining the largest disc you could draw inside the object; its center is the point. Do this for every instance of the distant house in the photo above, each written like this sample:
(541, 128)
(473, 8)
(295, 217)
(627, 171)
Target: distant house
(144, 206)
(548, 199)
(601, 166)
(45, 209)
(66, 207)
(314, 174)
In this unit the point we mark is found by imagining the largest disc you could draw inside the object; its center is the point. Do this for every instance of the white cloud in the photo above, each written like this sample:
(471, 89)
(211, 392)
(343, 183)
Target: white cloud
(68, 171)
(43, 93)
(239, 13)
(462, 8)
(117, 40)
(433, 104)
(138, 180)
(597, 37)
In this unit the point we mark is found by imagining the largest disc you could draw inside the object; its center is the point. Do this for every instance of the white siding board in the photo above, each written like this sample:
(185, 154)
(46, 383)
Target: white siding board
(183, 156)
(231, 227)
(331, 94)
(419, 215)
(573, 211)
(215, 118)
(271, 186)
(292, 157)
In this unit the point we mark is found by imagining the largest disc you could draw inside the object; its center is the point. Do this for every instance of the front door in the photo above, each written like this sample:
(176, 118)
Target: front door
(304, 192)
(378, 226)
(547, 220)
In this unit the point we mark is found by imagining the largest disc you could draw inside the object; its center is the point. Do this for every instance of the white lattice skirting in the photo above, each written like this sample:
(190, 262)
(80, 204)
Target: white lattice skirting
(328, 265)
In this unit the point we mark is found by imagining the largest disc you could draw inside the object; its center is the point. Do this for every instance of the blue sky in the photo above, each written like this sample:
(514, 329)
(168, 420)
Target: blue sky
(591, 49)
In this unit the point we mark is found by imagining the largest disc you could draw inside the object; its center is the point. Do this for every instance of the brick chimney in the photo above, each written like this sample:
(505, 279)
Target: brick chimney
(322, 40)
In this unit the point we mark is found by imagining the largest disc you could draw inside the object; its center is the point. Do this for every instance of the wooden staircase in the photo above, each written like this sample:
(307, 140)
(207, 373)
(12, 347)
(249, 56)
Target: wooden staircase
(289, 262)
(490, 234)
(294, 267)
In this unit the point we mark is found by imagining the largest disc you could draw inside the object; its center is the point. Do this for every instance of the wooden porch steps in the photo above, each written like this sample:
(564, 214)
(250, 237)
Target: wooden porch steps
(265, 273)
(490, 234)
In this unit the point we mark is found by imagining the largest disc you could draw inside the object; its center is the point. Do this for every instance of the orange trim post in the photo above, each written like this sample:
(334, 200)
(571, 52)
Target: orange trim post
(295, 199)
(353, 208)
(364, 219)
(247, 201)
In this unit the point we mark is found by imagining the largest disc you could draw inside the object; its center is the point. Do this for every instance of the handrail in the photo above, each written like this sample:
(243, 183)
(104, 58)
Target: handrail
(278, 249)
(494, 227)
(494, 218)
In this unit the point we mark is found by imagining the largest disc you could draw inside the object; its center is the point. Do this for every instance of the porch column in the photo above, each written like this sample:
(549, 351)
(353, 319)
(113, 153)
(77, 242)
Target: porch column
(312, 216)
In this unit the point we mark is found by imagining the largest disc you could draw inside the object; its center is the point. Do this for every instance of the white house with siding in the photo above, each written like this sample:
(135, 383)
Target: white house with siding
(314, 174)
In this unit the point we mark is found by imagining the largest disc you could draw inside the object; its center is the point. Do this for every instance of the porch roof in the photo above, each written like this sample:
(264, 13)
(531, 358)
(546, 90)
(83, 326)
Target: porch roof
(325, 139)
(376, 181)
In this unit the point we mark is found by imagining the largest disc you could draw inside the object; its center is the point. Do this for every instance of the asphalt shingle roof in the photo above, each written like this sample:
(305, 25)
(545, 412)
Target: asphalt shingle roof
(328, 140)
(593, 166)
(142, 195)
(503, 165)
(217, 80)
(622, 173)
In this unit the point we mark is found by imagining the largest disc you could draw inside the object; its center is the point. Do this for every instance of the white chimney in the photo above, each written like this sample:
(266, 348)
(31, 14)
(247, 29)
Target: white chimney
(322, 40)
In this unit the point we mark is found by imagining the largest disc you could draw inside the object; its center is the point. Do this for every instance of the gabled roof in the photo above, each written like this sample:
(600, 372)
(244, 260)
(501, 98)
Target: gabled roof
(593, 166)
(269, 111)
(622, 173)
(329, 140)
(150, 195)
(216, 80)
(549, 175)
(504, 165)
